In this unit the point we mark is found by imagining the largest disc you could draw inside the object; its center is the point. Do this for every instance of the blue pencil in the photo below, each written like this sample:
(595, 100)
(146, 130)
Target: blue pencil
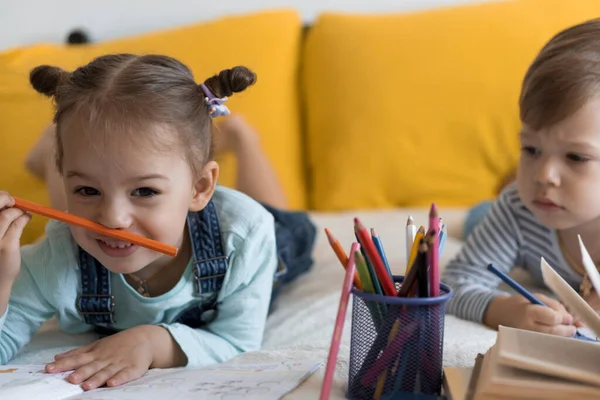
(379, 247)
(443, 235)
(515, 285)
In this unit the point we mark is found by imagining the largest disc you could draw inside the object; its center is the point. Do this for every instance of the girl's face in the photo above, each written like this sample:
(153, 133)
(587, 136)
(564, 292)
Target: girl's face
(559, 170)
(121, 185)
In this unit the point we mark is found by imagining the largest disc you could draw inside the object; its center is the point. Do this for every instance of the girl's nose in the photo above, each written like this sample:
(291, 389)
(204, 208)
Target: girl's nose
(115, 216)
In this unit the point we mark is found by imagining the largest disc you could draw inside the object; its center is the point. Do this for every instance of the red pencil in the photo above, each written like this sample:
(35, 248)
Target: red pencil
(339, 325)
(367, 244)
(434, 271)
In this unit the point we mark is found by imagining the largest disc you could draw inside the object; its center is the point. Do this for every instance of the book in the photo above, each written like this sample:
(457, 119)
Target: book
(264, 381)
(531, 365)
(456, 382)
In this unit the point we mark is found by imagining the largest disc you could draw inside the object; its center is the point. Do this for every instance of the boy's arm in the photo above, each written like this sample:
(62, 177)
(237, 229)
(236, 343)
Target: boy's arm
(245, 298)
(495, 240)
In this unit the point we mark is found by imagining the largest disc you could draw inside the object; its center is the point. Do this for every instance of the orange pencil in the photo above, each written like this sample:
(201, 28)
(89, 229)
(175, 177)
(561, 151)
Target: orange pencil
(95, 227)
(341, 255)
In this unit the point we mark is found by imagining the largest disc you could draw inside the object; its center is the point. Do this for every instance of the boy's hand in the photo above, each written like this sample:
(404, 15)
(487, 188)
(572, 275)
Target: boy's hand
(12, 223)
(119, 358)
(517, 312)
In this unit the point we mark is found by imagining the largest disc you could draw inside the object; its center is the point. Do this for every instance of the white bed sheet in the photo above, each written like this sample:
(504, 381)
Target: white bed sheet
(302, 324)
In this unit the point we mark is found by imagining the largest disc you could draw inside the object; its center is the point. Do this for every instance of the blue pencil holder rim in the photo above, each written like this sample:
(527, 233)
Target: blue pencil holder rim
(409, 301)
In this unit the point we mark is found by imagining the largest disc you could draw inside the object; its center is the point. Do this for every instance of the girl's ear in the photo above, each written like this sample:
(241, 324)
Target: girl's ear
(204, 186)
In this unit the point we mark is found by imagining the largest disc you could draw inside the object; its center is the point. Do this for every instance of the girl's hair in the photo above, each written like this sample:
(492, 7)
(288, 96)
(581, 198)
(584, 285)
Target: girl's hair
(563, 76)
(121, 92)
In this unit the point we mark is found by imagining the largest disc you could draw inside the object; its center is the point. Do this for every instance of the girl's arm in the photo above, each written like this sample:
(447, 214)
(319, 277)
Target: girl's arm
(243, 301)
(27, 308)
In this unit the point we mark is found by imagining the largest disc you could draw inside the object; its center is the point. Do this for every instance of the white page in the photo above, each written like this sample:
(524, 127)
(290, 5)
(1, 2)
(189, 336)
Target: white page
(18, 382)
(570, 297)
(589, 266)
(222, 382)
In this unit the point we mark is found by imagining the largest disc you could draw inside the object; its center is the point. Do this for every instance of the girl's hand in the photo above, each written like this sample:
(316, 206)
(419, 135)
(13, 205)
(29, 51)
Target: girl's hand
(116, 359)
(12, 223)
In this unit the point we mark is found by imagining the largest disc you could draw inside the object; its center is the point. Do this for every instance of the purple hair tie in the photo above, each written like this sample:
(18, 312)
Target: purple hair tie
(215, 104)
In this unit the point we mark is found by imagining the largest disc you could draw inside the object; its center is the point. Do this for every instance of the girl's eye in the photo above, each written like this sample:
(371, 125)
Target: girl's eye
(144, 192)
(577, 158)
(86, 191)
(530, 150)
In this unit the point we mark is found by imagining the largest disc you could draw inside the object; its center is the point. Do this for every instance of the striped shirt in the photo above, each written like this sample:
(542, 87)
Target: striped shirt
(508, 236)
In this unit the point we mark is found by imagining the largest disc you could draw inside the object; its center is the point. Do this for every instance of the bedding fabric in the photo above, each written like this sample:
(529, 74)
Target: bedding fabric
(301, 324)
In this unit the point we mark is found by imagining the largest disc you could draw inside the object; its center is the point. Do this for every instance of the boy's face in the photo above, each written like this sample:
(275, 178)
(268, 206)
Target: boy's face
(126, 186)
(559, 170)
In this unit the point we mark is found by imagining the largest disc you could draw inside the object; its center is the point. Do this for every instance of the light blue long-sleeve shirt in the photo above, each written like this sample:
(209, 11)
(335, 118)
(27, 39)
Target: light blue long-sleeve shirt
(49, 283)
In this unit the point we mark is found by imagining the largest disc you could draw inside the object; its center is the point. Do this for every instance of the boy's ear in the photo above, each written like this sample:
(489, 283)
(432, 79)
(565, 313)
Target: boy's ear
(205, 185)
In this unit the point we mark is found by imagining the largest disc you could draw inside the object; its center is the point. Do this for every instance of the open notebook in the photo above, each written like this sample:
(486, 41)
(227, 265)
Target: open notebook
(264, 381)
(530, 365)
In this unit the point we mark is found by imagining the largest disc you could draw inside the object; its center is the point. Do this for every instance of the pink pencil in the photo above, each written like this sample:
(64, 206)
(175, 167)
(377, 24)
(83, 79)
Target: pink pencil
(339, 325)
(434, 271)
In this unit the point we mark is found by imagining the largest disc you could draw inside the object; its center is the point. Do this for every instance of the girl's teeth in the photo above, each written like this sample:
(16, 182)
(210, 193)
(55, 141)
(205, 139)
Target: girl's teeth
(118, 246)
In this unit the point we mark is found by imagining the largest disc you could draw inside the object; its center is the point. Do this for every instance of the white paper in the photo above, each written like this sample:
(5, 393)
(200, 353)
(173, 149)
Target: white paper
(228, 381)
(570, 297)
(32, 382)
(589, 266)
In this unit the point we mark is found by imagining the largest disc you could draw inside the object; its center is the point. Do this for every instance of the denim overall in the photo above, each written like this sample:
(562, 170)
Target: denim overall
(295, 235)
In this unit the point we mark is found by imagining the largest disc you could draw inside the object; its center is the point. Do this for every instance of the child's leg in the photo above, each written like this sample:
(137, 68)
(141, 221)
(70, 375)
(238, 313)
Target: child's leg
(474, 217)
(41, 163)
(295, 235)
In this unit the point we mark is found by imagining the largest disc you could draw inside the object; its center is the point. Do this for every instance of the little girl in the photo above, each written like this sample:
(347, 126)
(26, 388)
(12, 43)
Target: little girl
(133, 145)
(555, 197)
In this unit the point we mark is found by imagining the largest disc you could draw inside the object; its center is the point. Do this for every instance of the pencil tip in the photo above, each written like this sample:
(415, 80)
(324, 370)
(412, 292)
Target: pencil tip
(410, 220)
(433, 210)
(373, 233)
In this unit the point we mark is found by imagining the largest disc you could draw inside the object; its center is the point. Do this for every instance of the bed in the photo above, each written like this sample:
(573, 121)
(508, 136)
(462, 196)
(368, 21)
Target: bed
(301, 325)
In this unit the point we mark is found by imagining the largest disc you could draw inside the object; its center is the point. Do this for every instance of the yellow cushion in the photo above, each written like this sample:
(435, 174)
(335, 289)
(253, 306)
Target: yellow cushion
(407, 109)
(267, 42)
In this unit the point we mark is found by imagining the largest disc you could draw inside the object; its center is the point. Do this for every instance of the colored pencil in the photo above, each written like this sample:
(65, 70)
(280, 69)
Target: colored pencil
(341, 255)
(379, 246)
(372, 274)
(339, 327)
(443, 235)
(382, 378)
(95, 227)
(415, 248)
(366, 242)
(411, 231)
(434, 271)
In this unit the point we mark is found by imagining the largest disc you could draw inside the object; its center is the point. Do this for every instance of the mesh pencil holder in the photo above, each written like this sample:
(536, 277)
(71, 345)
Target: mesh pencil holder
(396, 344)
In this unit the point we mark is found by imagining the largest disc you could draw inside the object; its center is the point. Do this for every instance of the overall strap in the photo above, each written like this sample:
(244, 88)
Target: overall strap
(210, 261)
(210, 265)
(95, 303)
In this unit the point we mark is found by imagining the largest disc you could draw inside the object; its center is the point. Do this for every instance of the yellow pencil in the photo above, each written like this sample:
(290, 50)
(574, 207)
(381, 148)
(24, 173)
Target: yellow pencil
(415, 248)
(382, 377)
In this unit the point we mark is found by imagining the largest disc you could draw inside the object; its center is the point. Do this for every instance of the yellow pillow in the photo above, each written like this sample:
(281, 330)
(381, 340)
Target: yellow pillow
(267, 42)
(407, 109)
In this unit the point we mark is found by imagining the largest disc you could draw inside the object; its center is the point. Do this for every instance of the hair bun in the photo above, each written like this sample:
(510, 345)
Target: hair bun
(230, 81)
(46, 79)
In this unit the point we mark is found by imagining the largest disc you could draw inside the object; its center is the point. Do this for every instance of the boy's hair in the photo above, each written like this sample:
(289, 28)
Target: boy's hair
(124, 92)
(563, 76)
